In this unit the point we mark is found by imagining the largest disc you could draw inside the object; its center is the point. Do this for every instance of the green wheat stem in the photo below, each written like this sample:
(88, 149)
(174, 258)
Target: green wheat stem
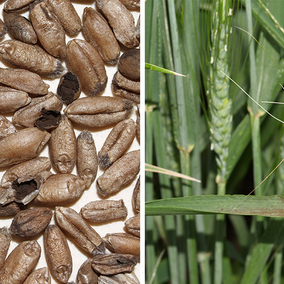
(152, 235)
(255, 118)
(184, 113)
(278, 266)
(220, 106)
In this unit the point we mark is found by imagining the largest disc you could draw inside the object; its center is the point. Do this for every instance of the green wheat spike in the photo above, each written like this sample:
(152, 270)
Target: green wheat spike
(219, 103)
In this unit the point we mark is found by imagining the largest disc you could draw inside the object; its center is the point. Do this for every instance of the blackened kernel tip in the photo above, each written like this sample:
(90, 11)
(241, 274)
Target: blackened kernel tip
(128, 104)
(86, 135)
(105, 161)
(59, 70)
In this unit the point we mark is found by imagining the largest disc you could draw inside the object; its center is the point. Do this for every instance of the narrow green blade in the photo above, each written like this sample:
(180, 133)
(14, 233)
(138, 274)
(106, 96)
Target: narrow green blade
(271, 206)
(161, 69)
